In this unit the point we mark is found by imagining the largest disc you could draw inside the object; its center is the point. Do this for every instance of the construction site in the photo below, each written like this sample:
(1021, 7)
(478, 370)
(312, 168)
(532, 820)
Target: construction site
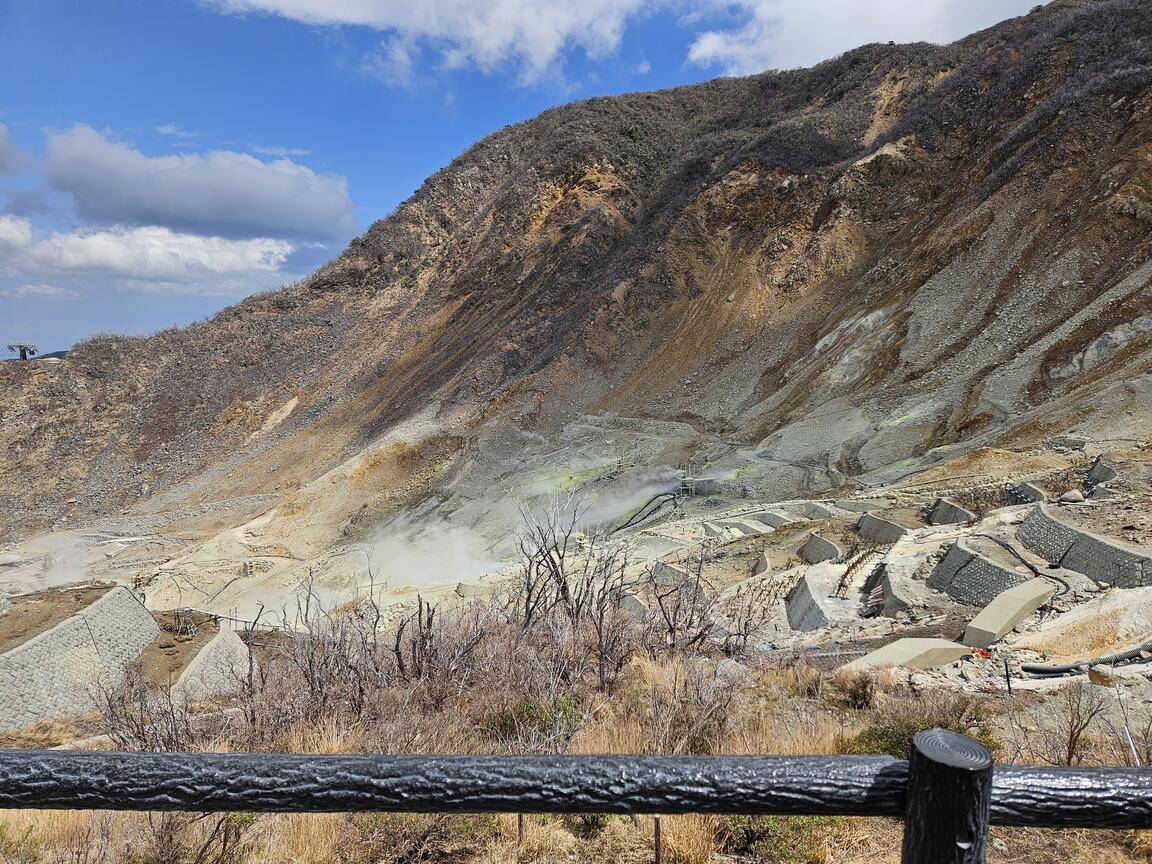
(1003, 570)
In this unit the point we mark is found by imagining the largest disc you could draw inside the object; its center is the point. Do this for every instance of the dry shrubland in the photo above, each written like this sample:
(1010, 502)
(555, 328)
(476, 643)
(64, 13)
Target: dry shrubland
(556, 665)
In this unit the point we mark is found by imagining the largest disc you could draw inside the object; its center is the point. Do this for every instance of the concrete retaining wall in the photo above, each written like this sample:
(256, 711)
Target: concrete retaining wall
(773, 518)
(809, 605)
(969, 577)
(53, 674)
(809, 509)
(913, 653)
(748, 526)
(1077, 549)
(804, 612)
(945, 512)
(1027, 493)
(1101, 472)
(878, 529)
(763, 565)
(817, 549)
(217, 669)
(1006, 611)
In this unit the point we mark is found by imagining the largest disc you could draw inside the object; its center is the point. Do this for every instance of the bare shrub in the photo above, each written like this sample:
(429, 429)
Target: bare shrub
(895, 720)
(1063, 725)
(139, 717)
(683, 705)
(855, 690)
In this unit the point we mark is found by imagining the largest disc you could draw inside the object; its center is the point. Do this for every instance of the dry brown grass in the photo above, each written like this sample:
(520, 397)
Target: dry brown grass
(53, 733)
(300, 838)
(545, 840)
(689, 838)
(675, 704)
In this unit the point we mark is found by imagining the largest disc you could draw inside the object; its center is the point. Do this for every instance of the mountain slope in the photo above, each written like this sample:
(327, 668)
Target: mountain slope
(806, 280)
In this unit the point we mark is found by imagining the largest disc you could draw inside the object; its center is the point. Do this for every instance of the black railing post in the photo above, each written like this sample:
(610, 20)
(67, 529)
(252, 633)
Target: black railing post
(948, 800)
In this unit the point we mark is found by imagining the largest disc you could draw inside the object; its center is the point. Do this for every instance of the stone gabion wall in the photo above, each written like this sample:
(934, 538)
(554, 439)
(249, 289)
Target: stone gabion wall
(968, 577)
(1080, 550)
(54, 674)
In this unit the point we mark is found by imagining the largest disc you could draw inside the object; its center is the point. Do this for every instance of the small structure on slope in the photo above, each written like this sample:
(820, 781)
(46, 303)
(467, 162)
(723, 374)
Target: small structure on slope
(24, 349)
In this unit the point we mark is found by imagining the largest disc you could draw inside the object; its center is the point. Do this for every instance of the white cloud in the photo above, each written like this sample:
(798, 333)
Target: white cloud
(15, 232)
(220, 193)
(280, 151)
(9, 155)
(785, 34)
(534, 34)
(56, 292)
(143, 253)
(392, 61)
(482, 33)
(175, 131)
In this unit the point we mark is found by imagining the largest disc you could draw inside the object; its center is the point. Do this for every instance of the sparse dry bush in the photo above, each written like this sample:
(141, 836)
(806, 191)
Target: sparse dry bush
(855, 690)
(785, 839)
(1063, 727)
(890, 726)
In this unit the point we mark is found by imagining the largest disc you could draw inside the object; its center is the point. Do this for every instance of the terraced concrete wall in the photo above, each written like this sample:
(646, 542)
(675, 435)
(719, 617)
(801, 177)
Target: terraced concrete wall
(879, 530)
(53, 674)
(1027, 493)
(1080, 550)
(804, 610)
(808, 509)
(969, 577)
(216, 670)
(817, 549)
(773, 518)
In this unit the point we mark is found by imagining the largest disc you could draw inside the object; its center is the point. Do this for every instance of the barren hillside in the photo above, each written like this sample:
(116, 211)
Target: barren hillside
(807, 280)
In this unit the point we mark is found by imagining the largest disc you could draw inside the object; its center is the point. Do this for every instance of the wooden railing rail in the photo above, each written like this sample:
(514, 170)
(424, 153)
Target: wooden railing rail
(948, 793)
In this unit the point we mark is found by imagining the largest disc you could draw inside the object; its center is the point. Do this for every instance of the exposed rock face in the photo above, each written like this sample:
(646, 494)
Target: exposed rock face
(804, 276)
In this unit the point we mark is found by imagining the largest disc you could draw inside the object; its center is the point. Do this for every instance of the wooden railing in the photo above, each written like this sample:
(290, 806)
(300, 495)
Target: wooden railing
(948, 793)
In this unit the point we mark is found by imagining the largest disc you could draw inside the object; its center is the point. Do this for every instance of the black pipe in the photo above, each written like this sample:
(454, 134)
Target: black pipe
(1132, 657)
(639, 515)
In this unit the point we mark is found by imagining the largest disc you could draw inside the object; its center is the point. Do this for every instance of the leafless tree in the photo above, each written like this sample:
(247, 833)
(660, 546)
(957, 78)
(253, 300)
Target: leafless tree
(137, 716)
(1062, 725)
(572, 585)
(683, 618)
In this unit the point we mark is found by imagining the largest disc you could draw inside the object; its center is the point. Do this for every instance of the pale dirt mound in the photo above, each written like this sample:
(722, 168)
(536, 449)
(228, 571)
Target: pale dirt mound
(1115, 622)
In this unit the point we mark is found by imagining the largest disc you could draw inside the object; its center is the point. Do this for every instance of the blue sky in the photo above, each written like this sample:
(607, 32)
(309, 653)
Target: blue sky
(160, 159)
